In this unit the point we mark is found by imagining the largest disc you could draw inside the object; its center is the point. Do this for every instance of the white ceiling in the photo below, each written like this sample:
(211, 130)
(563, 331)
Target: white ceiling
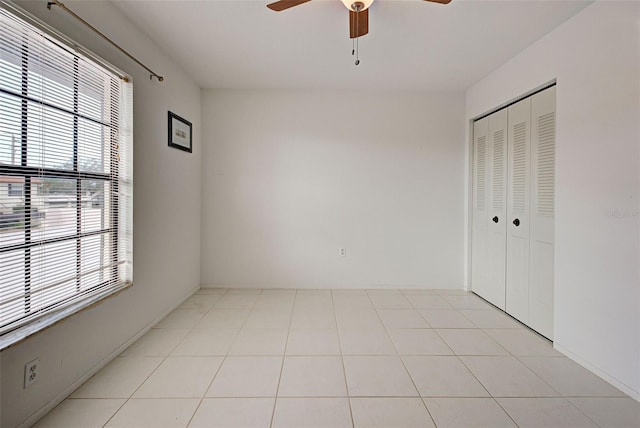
(411, 45)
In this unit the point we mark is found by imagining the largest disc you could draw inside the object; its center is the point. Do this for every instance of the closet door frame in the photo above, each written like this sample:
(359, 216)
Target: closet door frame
(536, 274)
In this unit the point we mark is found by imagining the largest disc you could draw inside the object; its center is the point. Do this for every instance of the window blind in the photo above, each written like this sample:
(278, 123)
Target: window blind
(65, 176)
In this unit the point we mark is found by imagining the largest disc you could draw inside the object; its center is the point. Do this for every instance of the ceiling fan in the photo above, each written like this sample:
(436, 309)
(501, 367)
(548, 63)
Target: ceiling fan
(358, 12)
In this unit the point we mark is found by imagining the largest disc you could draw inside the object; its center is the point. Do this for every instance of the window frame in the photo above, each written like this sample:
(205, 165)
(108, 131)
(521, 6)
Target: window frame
(17, 329)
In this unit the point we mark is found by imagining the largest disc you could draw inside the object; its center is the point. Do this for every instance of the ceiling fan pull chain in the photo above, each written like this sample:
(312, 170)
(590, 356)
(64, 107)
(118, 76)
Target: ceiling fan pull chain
(357, 37)
(353, 47)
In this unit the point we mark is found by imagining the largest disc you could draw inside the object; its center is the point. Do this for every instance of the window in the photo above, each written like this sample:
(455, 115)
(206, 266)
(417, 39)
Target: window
(65, 150)
(15, 189)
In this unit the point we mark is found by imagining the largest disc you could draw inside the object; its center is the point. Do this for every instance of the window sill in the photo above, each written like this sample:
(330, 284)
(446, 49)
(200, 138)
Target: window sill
(23, 333)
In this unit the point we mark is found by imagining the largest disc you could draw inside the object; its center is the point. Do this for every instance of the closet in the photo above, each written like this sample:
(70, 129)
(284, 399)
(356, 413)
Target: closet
(513, 209)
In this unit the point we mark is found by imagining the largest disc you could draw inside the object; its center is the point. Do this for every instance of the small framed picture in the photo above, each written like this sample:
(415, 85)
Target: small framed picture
(179, 133)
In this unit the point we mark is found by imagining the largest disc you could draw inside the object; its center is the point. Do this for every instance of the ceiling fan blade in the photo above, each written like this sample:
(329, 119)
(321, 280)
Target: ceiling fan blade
(281, 5)
(440, 1)
(358, 23)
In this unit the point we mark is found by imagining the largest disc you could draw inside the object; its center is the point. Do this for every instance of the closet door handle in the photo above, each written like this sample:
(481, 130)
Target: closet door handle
(516, 222)
(495, 219)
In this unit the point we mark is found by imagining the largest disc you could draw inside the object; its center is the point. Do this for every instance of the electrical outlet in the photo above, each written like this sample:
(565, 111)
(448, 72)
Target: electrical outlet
(31, 372)
(343, 252)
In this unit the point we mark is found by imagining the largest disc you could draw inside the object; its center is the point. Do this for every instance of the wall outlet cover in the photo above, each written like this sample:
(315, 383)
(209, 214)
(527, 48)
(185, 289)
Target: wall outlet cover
(31, 372)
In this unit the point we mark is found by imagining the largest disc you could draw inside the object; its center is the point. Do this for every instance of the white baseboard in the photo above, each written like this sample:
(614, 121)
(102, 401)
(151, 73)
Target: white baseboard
(51, 404)
(332, 287)
(593, 369)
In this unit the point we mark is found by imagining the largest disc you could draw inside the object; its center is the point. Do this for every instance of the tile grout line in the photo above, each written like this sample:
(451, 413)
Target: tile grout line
(114, 413)
(400, 358)
(164, 358)
(344, 369)
(214, 375)
(490, 394)
(284, 353)
(224, 358)
(476, 378)
(561, 395)
(474, 375)
(458, 357)
(584, 413)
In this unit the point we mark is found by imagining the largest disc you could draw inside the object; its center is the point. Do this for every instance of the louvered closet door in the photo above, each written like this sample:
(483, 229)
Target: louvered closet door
(518, 224)
(543, 142)
(480, 234)
(489, 234)
(497, 208)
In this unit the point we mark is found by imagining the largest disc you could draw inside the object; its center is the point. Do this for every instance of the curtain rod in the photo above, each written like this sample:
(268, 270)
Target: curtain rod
(70, 12)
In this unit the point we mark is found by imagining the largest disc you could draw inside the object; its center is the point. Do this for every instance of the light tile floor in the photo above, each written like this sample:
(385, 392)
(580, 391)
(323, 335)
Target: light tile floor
(342, 358)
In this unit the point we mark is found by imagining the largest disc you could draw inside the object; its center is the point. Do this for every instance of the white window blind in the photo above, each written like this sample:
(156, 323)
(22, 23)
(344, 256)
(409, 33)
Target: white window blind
(65, 177)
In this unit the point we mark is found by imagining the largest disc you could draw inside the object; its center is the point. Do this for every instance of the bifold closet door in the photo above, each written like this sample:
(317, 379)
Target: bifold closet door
(518, 223)
(543, 142)
(489, 235)
(497, 208)
(480, 232)
(513, 209)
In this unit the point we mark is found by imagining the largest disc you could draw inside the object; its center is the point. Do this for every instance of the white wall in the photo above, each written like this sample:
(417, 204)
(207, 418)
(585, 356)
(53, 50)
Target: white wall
(595, 57)
(289, 177)
(166, 251)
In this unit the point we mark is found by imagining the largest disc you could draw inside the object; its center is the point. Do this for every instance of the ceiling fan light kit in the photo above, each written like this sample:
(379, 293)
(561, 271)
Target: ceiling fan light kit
(358, 16)
(357, 6)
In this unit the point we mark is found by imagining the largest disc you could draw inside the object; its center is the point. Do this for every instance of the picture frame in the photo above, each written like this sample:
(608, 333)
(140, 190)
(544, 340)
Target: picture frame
(180, 133)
